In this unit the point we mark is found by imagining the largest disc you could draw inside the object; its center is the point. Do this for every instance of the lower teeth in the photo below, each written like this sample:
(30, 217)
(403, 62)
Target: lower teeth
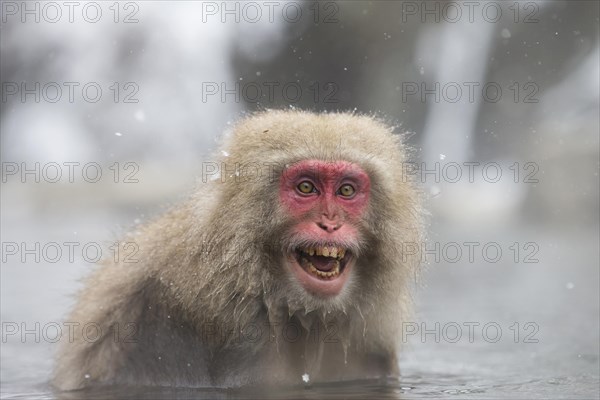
(335, 271)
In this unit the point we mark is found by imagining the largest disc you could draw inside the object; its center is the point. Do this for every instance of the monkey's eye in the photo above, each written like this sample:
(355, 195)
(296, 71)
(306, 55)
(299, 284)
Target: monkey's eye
(346, 190)
(306, 187)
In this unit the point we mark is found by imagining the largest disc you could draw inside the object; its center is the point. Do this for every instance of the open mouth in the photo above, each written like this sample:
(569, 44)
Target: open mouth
(322, 269)
(325, 262)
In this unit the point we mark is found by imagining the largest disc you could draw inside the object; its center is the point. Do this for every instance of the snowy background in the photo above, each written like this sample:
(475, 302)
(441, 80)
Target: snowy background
(515, 84)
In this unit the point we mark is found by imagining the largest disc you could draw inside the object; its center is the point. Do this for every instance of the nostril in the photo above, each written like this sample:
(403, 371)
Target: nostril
(322, 226)
(329, 227)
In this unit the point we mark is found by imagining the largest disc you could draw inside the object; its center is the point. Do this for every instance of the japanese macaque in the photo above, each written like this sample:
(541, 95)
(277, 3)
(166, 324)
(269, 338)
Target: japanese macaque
(285, 266)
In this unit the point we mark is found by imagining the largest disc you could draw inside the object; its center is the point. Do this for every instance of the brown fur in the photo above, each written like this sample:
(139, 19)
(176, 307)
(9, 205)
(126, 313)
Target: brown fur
(214, 264)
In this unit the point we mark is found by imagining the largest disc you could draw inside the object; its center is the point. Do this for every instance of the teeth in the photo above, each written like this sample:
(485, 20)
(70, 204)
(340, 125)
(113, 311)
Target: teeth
(322, 274)
(326, 251)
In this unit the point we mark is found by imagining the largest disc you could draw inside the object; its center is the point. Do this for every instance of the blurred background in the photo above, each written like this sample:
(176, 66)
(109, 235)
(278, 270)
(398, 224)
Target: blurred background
(500, 101)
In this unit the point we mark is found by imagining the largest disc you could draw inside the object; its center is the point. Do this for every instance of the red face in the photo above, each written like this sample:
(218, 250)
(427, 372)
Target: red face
(326, 200)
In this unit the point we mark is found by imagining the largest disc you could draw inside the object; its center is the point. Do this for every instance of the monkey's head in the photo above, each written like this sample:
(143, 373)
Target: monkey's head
(323, 199)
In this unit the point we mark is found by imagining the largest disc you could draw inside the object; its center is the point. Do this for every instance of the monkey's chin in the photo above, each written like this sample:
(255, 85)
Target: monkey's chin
(322, 270)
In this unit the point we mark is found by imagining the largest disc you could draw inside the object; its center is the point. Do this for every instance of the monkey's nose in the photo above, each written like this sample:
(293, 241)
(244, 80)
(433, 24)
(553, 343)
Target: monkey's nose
(329, 226)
